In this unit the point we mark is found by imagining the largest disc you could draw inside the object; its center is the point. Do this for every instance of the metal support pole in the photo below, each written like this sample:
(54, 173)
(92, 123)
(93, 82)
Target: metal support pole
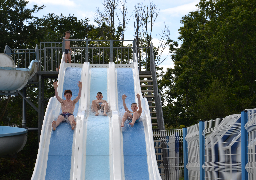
(244, 145)
(24, 108)
(39, 108)
(134, 50)
(63, 45)
(86, 52)
(185, 153)
(201, 149)
(111, 50)
(42, 102)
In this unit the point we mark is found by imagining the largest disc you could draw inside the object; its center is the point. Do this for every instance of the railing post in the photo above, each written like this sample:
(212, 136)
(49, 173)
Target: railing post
(8, 50)
(63, 45)
(24, 108)
(86, 52)
(39, 107)
(37, 53)
(201, 149)
(151, 57)
(244, 145)
(134, 51)
(185, 153)
(111, 50)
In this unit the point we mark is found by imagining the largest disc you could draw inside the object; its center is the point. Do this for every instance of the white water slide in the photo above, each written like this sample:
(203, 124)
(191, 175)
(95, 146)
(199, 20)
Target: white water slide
(98, 149)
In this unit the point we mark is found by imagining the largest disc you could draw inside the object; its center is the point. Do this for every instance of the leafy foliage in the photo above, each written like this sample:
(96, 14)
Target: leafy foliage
(214, 72)
(15, 24)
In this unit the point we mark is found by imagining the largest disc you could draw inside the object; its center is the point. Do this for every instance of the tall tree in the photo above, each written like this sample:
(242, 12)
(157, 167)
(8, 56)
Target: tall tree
(15, 23)
(214, 67)
(112, 17)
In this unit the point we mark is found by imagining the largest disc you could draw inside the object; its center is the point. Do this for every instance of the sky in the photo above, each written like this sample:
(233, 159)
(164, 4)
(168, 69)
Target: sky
(170, 14)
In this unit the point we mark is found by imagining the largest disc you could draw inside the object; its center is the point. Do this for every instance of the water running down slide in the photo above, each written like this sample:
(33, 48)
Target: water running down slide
(98, 148)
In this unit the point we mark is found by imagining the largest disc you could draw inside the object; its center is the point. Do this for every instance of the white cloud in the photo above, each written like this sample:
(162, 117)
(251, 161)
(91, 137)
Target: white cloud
(54, 2)
(181, 10)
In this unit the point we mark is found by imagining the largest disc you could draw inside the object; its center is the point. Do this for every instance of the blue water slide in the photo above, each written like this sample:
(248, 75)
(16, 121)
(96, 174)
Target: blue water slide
(97, 139)
(54, 159)
(60, 149)
(95, 148)
(134, 145)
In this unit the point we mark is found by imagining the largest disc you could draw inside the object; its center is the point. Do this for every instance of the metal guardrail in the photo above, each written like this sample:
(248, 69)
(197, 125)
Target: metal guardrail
(49, 54)
(169, 153)
(159, 111)
(22, 57)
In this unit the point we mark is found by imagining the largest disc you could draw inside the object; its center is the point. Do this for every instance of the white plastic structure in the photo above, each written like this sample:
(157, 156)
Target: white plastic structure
(52, 112)
(222, 149)
(12, 140)
(78, 159)
(12, 78)
(251, 128)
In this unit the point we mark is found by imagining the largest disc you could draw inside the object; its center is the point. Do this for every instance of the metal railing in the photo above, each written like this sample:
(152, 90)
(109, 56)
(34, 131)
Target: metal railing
(49, 54)
(169, 153)
(158, 103)
(22, 57)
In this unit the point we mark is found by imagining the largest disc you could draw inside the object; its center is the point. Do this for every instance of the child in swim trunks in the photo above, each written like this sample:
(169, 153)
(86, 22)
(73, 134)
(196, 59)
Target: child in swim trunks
(67, 107)
(100, 104)
(67, 47)
(133, 115)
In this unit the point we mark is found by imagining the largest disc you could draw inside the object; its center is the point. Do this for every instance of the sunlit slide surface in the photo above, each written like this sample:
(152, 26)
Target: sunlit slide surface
(97, 140)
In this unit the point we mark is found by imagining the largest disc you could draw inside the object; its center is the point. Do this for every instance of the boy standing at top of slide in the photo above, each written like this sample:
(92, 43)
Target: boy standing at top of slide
(133, 115)
(67, 107)
(67, 47)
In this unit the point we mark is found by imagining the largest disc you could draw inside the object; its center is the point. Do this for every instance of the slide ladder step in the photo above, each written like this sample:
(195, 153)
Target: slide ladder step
(146, 81)
(146, 85)
(145, 76)
(147, 90)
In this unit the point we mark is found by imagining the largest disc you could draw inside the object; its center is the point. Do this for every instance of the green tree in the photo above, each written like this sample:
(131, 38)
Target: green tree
(215, 63)
(15, 23)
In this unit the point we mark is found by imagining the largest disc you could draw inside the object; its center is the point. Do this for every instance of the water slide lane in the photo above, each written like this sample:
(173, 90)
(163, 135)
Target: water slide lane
(97, 142)
(60, 148)
(134, 145)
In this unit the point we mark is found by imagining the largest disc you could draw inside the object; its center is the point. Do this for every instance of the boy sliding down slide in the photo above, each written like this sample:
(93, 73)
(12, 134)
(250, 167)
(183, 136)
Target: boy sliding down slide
(67, 107)
(134, 115)
(100, 104)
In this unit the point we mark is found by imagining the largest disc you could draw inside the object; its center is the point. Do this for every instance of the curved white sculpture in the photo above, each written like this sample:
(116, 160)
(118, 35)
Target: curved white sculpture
(12, 78)
(12, 140)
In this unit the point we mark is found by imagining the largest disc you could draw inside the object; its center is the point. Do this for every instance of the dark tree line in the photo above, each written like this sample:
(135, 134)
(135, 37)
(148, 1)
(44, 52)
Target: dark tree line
(214, 73)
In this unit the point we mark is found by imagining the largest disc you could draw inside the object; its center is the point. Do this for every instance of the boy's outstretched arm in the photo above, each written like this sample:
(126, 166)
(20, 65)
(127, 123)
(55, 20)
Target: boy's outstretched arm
(139, 102)
(79, 93)
(125, 107)
(56, 92)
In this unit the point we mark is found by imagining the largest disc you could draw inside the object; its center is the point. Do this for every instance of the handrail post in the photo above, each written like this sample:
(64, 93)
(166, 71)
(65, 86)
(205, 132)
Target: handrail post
(185, 153)
(24, 108)
(134, 51)
(8, 50)
(151, 57)
(86, 51)
(37, 53)
(111, 50)
(63, 45)
(244, 145)
(201, 149)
